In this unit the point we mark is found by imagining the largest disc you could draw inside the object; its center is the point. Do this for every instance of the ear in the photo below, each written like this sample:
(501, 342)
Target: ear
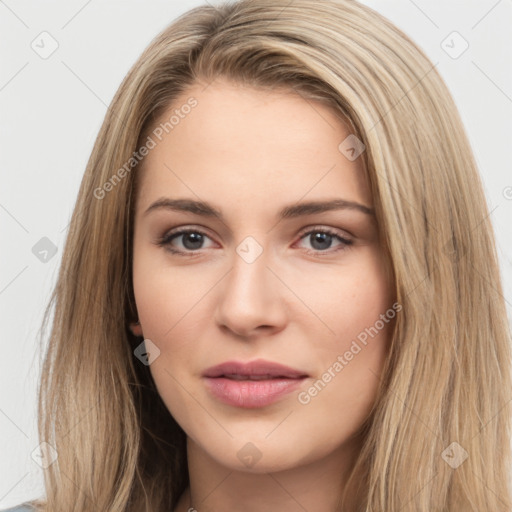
(136, 328)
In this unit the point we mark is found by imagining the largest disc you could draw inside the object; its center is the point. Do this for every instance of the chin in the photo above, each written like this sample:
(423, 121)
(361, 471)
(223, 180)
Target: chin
(257, 455)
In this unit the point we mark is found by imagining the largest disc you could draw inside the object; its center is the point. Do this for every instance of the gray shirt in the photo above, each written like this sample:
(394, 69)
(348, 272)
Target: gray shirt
(19, 508)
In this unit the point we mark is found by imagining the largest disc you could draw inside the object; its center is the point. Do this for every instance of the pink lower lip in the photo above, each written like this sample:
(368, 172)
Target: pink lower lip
(251, 394)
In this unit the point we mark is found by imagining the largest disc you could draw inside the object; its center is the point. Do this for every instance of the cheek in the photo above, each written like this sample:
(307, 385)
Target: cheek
(164, 295)
(164, 300)
(154, 298)
(357, 306)
(352, 301)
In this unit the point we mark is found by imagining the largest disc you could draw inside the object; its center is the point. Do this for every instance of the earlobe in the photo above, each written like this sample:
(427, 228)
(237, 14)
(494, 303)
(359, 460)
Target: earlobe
(136, 328)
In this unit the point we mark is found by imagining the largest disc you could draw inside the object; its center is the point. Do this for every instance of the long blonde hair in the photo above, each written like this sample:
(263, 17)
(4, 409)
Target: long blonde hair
(447, 380)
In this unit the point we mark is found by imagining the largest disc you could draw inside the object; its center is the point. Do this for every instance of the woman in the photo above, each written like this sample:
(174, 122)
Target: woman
(279, 289)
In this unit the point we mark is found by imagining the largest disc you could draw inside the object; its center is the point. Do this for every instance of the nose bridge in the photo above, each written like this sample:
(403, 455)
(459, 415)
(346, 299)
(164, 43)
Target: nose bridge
(248, 281)
(250, 270)
(250, 296)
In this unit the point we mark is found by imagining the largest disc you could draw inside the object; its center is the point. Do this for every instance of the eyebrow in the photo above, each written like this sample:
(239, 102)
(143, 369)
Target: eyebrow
(288, 212)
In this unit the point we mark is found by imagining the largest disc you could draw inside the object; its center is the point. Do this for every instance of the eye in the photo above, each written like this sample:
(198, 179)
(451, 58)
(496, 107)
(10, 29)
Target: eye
(191, 240)
(321, 240)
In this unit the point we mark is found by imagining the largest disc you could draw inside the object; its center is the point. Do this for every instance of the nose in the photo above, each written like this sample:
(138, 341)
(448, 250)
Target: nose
(250, 299)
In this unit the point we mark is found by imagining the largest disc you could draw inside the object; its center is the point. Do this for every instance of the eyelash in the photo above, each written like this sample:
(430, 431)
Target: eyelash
(167, 239)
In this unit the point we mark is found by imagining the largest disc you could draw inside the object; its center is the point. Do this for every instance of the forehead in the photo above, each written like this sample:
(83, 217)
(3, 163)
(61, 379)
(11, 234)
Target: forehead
(249, 147)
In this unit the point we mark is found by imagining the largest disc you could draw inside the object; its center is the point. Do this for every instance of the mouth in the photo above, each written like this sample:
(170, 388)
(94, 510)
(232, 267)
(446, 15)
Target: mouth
(254, 370)
(234, 376)
(252, 385)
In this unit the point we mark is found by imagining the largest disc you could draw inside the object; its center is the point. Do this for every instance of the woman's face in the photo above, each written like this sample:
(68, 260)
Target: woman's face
(307, 289)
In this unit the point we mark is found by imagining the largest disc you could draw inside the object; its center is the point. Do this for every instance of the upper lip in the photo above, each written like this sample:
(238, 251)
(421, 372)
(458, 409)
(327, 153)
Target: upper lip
(258, 368)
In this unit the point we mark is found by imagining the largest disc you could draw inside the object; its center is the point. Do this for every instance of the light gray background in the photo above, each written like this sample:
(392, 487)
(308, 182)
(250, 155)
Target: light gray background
(51, 110)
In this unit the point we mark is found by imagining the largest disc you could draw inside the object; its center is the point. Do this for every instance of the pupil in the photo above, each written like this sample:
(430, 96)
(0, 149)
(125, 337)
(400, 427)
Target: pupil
(323, 238)
(196, 238)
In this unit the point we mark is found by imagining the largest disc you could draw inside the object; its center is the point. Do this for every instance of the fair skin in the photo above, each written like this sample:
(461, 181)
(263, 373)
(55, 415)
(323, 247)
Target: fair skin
(301, 303)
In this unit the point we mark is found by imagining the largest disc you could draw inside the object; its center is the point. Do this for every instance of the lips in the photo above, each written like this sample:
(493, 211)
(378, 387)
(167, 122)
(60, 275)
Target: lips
(251, 385)
(255, 370)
